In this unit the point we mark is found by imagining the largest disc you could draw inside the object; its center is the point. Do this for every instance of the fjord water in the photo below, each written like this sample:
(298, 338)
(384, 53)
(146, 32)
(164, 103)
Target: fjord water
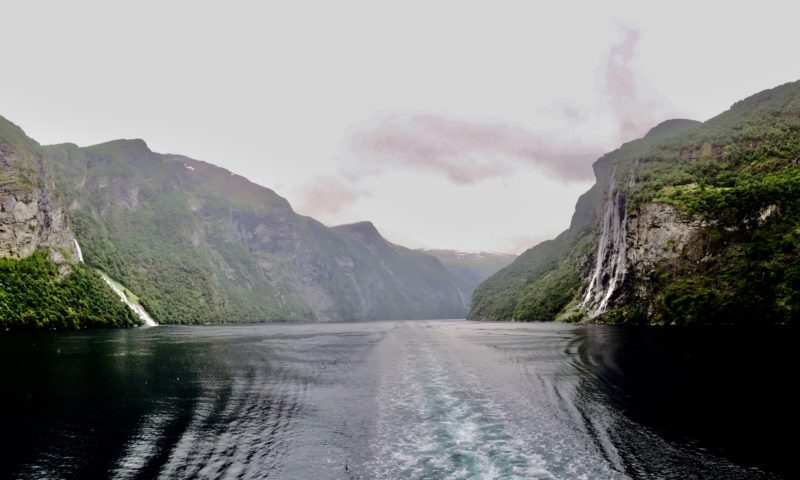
(404, 399)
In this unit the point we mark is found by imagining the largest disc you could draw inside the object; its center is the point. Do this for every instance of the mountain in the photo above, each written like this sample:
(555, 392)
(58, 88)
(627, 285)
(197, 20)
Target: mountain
(471, 268)
(42, 282)
(199, 244)
(392, 279)
(693, 223)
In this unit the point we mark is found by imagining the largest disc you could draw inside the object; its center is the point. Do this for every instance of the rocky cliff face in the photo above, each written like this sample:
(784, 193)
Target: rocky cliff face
(633, 247)
(657, 233)
(658, 236)
(30, 218)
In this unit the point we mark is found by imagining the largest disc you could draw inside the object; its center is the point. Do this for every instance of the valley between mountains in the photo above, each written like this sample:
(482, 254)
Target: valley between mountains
(696, 222)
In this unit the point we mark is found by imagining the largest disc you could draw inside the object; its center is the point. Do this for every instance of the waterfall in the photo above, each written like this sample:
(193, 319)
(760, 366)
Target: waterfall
(610, 262)
(78, 249)
(137, 309)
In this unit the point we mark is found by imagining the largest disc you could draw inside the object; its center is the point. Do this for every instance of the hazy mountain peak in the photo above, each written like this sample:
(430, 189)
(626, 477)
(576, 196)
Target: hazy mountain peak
(365, 230)
(671, 127)
(9, 128)
(468, 254)
(133, 146)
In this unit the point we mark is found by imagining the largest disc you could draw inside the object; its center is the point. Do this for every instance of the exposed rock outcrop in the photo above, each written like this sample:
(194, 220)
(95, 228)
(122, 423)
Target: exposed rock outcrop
(658, 232)
(30, 218)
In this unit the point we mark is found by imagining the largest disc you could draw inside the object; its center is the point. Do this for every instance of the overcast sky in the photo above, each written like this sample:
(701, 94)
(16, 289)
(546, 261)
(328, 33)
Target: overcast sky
(449, 124)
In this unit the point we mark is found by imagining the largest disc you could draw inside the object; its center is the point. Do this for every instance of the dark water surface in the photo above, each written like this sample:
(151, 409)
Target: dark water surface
(416, 399)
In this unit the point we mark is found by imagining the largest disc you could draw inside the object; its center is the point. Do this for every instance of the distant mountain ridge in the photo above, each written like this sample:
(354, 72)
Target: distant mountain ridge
(471, 268)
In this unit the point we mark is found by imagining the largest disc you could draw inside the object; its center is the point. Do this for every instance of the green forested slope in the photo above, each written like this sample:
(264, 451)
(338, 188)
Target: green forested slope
(34, 296)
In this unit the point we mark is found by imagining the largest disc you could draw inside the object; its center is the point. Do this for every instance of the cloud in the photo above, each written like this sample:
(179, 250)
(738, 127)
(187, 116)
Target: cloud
(570, 112)
(519, 244)
(465, 151)
(327, 196)
(468, 150)
(633, 111)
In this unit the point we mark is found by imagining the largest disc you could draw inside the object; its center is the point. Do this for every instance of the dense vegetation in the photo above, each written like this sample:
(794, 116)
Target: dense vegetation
(739, 173)
(537, 285)
(33, 296)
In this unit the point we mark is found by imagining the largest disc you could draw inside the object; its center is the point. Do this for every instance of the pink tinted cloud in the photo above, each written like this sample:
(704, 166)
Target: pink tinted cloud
(327, 195)
(634, 114)
(467, 151)
(518, 245)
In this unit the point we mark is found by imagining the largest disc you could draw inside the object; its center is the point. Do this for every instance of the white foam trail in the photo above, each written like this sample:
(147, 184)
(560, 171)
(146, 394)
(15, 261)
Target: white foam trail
(440, 416)
(141, 312)
(143, 446)
(78, 249)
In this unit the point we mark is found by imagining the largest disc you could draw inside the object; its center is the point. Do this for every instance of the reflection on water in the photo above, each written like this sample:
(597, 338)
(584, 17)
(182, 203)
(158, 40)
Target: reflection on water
(722, 391)
(433, 399)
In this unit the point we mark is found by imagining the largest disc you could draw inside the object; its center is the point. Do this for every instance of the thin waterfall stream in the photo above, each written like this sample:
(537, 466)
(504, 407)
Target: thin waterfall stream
(119, 290)
(610, 263)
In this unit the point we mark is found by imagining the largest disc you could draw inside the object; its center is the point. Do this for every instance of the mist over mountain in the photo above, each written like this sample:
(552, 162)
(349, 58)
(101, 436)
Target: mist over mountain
(471, 268)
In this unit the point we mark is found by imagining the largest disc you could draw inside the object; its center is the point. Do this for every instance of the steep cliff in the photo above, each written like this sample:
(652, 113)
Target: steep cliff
(200, 244)
(42, 283)
(29, 217)
(693, 223)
